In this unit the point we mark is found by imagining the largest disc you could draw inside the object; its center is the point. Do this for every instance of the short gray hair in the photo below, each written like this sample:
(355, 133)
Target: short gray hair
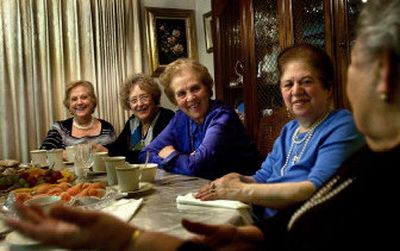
(378, 27)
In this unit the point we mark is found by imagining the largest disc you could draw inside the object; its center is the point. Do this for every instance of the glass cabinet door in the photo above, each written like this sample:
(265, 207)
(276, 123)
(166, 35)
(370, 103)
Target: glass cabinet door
(346, 14)
(308, 22)
(229, 67)
(266, 38)
(249, 34)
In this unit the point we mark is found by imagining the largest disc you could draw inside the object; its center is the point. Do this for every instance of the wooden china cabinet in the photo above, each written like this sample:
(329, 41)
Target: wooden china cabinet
(248, 35)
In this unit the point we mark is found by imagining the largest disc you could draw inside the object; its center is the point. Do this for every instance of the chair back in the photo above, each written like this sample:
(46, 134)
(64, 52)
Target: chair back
(270, 128)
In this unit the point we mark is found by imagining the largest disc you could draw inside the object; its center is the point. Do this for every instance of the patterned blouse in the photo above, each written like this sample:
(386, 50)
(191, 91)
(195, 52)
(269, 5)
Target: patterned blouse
(59, 135)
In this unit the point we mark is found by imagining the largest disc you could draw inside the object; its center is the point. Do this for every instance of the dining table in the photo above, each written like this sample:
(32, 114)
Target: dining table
(158, 209)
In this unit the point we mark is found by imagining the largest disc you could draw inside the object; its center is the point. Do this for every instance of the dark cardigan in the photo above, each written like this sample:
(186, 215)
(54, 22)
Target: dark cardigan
(121, 147)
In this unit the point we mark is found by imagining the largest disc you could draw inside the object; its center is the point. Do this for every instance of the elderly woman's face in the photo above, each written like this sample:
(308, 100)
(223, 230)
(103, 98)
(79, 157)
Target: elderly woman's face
(302, 91)
(142, 104)
(191, 95)
(361, 88)
(80, 102)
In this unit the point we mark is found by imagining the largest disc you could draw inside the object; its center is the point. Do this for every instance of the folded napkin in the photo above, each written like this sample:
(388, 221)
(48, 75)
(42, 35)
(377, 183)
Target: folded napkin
(124, 208)
(189, 199)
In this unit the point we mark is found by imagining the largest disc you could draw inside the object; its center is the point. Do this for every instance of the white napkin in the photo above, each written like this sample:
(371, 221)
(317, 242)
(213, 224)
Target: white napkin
(124, 208)
(189, 199)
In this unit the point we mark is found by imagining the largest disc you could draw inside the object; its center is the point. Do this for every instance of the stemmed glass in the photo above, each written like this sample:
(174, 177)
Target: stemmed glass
(83, 160)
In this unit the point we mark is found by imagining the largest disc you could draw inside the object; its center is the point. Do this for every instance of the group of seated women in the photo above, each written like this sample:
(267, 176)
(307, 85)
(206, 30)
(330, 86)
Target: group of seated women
(206, 138)
(140, 94)
(352, 209)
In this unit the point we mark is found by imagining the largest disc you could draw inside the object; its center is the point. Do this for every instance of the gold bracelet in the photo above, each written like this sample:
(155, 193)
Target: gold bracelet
(134, 238)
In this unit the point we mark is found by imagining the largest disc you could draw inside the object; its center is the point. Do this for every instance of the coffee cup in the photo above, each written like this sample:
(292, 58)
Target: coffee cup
(70, 153)
(39, 157)
(147, 171)
(55, 159)
(111, 163)
(128, 177)
(99, 164)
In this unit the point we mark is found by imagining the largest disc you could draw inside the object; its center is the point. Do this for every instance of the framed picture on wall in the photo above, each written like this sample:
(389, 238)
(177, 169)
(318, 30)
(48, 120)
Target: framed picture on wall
(207, 18)
(170, 34)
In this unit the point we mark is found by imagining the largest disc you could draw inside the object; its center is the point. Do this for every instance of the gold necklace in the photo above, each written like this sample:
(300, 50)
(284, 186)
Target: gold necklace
(145, 130)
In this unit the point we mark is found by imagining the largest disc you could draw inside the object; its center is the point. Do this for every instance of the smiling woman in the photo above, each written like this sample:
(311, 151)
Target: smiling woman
(309, 148)
(139, 94)
(31, 93)
(81, 102)
(205, 138)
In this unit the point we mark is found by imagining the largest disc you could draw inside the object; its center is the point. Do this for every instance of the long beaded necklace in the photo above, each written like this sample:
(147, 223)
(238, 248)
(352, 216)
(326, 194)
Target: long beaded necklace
(80, 127)
(305, 139)
(144, 131)
(325, 193)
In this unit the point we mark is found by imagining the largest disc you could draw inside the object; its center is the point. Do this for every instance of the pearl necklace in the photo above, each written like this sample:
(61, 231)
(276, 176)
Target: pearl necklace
(306, 138)
(85, 128)
(324, 194)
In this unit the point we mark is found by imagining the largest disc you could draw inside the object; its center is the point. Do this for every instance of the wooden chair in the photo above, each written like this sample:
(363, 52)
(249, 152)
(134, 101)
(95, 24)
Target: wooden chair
(269, 129)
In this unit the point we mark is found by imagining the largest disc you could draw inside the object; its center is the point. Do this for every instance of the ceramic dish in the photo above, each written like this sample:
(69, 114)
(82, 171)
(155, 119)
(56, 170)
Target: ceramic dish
(95, 173)
(143, 187)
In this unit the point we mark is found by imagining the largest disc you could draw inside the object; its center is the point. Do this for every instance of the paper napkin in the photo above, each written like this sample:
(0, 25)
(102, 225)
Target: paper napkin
(189, 199)
(124, 208)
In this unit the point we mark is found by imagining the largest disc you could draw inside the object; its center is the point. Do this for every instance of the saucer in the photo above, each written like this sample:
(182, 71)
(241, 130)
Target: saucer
(143, 187)
(95, 173)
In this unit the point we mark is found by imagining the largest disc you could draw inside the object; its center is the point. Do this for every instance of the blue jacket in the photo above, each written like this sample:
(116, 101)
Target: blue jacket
(218, 146)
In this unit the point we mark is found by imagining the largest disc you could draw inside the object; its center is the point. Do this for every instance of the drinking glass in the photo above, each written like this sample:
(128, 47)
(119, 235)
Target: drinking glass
(83, 160)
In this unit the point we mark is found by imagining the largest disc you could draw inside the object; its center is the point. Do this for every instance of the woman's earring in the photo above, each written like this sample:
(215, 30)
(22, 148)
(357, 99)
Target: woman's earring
(289, 115)
(383, 96)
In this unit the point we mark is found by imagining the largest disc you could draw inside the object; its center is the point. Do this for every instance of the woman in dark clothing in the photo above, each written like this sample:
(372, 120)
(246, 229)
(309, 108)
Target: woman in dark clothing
(123, 147)
(141, 95)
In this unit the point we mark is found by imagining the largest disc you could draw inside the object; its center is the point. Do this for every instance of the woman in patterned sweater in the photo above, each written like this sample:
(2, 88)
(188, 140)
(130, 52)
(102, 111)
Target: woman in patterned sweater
(83, 127)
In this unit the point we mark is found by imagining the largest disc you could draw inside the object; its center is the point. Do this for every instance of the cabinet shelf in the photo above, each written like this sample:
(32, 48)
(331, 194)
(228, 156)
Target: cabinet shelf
(234, 87)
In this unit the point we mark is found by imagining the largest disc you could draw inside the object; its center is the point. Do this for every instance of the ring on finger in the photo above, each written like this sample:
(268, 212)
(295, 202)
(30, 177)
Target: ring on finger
(213, 186)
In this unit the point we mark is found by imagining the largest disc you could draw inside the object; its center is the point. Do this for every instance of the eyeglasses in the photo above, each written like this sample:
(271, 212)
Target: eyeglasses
(144, 98)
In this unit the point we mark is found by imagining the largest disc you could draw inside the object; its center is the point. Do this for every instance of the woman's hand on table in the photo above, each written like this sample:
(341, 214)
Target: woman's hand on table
(67, 227)
(227, 187)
